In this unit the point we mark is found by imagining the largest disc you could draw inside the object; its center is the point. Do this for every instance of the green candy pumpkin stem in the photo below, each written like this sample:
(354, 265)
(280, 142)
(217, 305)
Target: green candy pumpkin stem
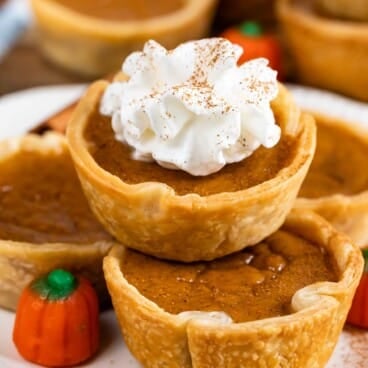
(57, 285)
(252, 29)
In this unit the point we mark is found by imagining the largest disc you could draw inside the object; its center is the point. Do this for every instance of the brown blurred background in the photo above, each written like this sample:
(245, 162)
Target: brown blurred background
(23, 66)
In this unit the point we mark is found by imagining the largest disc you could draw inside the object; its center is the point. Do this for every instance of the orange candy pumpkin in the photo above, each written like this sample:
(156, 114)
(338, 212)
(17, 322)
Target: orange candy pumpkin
(358, 314)
(256, 44)
(57, 320)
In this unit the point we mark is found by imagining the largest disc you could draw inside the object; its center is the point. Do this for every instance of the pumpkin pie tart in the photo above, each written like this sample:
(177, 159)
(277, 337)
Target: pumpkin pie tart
(45, 221)
(282, 302)
(174, 215)
(92, 37)
(336, 185)
(329, 53)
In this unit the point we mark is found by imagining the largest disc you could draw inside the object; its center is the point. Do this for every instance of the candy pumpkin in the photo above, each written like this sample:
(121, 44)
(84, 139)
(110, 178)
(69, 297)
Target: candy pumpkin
(255, 43)
(57, 320)
(358, 314)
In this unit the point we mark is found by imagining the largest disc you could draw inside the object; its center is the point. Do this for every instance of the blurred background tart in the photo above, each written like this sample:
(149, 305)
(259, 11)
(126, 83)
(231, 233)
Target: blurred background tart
(330, 53)
(289, 293)
(348, 9)
(92, 38)
(45, 221)
(336, 185)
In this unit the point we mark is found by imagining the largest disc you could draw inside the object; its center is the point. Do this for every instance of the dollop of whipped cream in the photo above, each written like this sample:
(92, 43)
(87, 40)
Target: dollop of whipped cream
(193, 108)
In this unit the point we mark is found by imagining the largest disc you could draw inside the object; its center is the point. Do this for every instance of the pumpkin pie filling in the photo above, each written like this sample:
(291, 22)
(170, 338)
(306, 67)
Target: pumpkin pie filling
(338, 164)
(253, 284)
(41, 201)
(115, 157)
(120, 10)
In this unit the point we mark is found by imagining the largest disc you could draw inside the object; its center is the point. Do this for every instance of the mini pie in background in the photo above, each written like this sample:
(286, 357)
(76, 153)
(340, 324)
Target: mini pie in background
(91, 38)
(173, 215)
(336, 186)
(348, 9)
(327, 52)
(45, 221)
(297, 285)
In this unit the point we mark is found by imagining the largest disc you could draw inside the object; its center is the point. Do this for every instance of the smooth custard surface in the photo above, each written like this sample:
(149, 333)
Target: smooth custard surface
(41, 201)
(115, 157)
(253, 284)
(339, 165)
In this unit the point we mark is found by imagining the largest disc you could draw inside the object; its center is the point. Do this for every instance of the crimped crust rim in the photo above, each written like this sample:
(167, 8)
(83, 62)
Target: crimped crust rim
(313, 297)
(167, 195)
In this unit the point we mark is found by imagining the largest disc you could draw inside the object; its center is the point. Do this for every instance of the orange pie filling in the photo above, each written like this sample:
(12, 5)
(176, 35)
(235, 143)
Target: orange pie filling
(123, 10)
(115, 157)
(41, 201)
(256, 283)
(338, 166)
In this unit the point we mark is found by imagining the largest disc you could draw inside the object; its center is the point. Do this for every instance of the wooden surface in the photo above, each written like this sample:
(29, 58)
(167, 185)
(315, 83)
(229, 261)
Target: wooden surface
(24, 67)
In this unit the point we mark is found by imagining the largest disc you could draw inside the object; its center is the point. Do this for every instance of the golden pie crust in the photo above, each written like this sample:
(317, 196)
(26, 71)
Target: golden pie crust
(152, 218)
(93, 47)
(305, 338)
(348, 213)
(328, 53)
(21, 262)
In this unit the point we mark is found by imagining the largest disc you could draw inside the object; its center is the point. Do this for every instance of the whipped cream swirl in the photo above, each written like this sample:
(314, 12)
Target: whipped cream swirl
(193, 108)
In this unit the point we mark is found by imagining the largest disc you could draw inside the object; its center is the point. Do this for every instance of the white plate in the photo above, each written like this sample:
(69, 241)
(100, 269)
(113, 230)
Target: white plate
(21, 111)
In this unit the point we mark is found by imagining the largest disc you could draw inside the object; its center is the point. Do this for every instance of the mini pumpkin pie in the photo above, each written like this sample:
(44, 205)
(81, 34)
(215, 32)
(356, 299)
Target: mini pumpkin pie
(205, 209)
(174, 215)
(328, 53)
(282, 302)
(45, 221)
(92, 37)
(336, 185)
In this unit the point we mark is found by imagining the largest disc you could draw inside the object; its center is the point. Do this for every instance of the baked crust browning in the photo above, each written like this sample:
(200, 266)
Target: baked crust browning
(152, 218)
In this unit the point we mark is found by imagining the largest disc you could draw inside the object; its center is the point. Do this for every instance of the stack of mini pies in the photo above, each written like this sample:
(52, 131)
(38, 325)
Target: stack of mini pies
(150, 217)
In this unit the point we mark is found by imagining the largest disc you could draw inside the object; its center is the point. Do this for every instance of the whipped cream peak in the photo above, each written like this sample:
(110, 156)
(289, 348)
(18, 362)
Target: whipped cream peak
(193, 108)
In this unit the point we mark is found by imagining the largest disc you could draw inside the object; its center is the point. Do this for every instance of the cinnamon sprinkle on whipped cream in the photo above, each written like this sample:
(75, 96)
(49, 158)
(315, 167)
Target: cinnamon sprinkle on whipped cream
(193, 108)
